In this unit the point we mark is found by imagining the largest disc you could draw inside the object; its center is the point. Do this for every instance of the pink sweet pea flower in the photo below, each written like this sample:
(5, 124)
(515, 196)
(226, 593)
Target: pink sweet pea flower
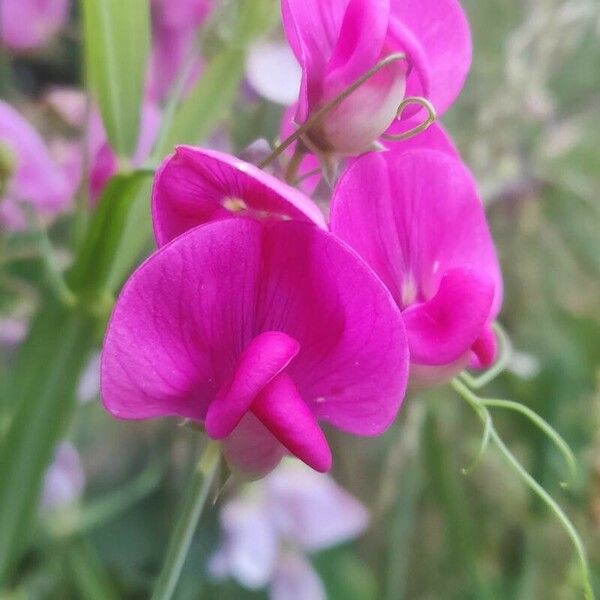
(30, 24)
(416, 218)
(338, 41)
(28, 174)
(270, 528)
(257, 331)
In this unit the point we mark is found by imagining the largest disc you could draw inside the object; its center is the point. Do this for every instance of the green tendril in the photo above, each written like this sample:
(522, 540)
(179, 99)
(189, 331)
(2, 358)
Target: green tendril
(485, 440)
(480, 407)
(559, 443)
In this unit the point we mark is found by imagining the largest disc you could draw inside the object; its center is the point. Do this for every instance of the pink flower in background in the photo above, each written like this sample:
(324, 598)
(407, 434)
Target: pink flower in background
(30, 24)
(104, 160)
(270, 528)
(336, 42)
(416, 218)
(175, 24)
(258, 332)
(70, 104)
(28, 173)
(64, 479)
(196, 185)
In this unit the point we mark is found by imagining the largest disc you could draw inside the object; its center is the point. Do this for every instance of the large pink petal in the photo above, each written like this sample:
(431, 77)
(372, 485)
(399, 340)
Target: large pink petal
(195, 185)
(435, 35)
(442, 329)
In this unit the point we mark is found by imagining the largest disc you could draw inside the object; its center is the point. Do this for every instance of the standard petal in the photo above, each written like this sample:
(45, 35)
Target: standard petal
(435, 35)
(442, 329)
(194, 186)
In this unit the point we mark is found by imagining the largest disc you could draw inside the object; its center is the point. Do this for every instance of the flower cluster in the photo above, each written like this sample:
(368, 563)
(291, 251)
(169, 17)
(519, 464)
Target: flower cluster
(259, 318)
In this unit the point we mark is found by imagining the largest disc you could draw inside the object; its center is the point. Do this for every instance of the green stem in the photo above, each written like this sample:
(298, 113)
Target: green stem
(481, 410)
(193, 503)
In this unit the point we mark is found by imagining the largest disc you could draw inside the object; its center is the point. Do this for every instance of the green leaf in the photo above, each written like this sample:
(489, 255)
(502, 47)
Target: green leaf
(110, 246)
(117, 42)
(41, 389)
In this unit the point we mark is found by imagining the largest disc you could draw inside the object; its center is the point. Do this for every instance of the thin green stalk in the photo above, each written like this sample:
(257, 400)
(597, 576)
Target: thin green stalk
(480, 409)
(191, 509)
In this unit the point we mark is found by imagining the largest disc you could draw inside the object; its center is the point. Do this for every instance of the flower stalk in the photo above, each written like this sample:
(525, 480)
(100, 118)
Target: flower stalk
(191, 509)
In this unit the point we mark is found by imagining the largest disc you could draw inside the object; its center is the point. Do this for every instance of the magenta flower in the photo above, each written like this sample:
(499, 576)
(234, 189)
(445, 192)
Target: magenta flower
(28, 174)
(30, 24)
(416, 218)
(270, 528)
(338, 41)
(194, 186)
(256, 328)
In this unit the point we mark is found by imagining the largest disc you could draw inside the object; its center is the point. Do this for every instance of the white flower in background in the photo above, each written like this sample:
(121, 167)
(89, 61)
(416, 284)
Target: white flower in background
(64, 479)
(274, 523)
(273, 72)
